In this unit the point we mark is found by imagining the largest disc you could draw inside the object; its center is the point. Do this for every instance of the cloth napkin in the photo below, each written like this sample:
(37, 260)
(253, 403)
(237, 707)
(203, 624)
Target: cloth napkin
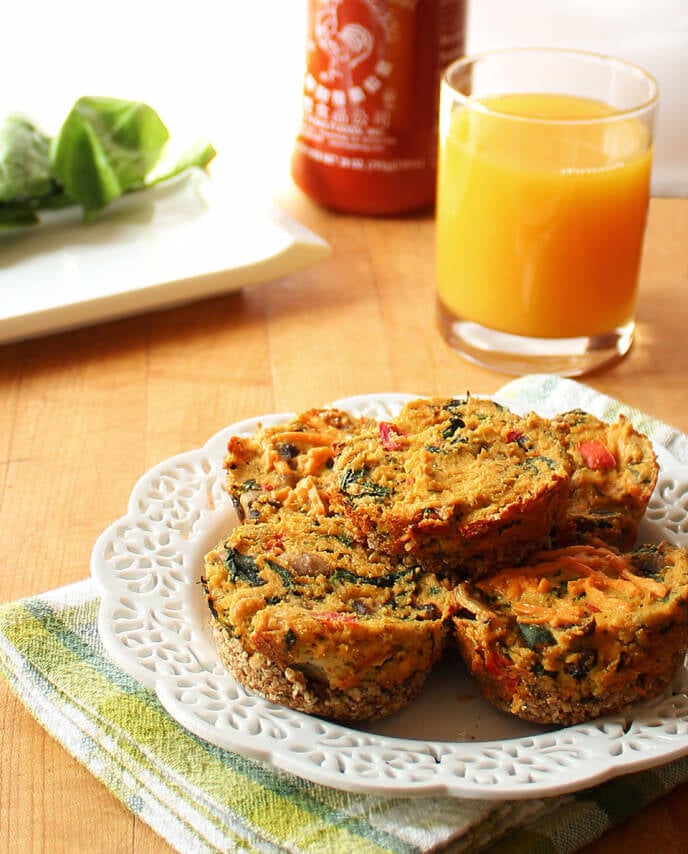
(201, 798)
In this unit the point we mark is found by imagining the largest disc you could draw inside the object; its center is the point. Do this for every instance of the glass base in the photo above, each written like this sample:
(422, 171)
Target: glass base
(518, 354)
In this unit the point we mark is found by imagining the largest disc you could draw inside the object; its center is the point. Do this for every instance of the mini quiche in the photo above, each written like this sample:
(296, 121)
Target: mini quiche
(288, 464)
(460, 484)
(612, 482)
(308, 618)
(580, 632)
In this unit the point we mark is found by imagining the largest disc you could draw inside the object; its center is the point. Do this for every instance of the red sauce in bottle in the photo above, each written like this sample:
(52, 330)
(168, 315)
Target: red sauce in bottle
(367, 143)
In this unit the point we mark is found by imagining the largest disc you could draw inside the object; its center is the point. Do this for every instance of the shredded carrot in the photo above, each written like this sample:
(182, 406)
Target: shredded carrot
(655, 589)
(598, 577)
(307, 437)
(316, 460)
(625, 584)
(280, 494)
(544, 585)
(321, 450)
(537, 614)
(306, 493)
(275, 463)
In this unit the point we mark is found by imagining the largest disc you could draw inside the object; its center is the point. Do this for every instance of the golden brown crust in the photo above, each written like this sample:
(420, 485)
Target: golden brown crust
(332, 617)
(612, 482)
(579, 633)
(465, 485)
(291, 687)
(287, 464)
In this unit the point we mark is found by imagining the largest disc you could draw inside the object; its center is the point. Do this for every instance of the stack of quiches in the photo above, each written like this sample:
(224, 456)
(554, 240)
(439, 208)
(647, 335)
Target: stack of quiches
(366, 548)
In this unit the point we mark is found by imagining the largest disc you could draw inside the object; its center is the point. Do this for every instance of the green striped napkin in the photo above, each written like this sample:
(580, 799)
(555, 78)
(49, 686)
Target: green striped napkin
(201, 798)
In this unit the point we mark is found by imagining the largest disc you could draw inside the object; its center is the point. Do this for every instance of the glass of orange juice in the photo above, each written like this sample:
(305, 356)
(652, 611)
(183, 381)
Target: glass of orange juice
(543, 189)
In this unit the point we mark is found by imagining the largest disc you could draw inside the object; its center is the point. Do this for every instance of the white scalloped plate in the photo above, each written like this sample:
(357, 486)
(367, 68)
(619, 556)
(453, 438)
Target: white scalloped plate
(153, 621)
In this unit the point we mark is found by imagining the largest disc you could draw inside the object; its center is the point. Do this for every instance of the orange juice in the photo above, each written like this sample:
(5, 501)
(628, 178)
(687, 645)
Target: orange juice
(541, 213)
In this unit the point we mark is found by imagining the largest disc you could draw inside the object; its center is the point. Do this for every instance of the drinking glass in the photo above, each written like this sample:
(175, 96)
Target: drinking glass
(543, 189)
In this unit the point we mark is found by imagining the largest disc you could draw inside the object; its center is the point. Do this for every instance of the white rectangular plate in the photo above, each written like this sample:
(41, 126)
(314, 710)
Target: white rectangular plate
(161, 247)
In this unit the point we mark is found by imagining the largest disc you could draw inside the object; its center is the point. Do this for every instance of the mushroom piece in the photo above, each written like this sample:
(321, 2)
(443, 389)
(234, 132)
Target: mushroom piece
(308, 564)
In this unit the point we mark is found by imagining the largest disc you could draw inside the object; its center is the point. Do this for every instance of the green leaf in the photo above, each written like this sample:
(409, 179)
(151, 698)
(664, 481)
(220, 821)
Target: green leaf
(282, 571)
(343, 576)
(198, 155)
(534, 635)
(12, 216)
(241, 567)
(24, 161)
(106, 147)
(365, 487)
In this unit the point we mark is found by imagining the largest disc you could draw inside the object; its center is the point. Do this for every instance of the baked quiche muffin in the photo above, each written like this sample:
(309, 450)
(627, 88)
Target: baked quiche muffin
(612, 482)
(460, 484)
(309, 618)
(288, 464)
(580, 632)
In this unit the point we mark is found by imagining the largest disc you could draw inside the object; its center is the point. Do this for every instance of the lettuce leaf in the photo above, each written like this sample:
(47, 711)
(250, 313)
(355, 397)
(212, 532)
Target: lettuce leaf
(105, 147)
(26, 180)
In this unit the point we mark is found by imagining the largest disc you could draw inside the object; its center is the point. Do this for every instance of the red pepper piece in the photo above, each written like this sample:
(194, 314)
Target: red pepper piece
(390, 437)
(596, 455)
(275, 543)
(514, 435)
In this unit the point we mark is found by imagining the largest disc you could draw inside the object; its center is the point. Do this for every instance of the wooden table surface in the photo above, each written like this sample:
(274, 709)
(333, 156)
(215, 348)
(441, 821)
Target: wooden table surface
(84, 413)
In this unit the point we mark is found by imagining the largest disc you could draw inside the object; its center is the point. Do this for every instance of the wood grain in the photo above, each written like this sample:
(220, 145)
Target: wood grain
(84, 413)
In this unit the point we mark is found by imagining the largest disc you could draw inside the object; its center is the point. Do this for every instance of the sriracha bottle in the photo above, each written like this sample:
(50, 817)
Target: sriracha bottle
(367, 142)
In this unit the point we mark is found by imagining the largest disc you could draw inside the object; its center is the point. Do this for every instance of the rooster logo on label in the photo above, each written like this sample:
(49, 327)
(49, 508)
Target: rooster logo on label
(351, 37)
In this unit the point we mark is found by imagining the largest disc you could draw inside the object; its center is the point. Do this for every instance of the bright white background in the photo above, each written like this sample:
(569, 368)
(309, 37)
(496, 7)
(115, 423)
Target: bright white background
(226, 69)
(231, 69)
